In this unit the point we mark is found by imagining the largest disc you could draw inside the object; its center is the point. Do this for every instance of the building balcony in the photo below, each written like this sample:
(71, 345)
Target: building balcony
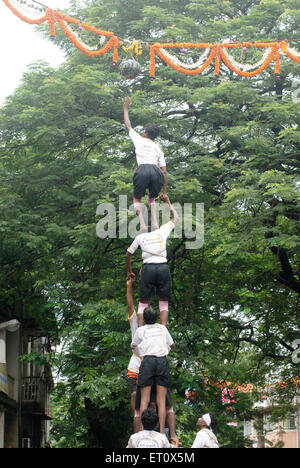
(35, 396)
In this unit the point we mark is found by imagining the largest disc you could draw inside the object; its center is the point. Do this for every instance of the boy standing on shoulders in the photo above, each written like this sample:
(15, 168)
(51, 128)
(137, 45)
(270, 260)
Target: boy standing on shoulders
(155, 276)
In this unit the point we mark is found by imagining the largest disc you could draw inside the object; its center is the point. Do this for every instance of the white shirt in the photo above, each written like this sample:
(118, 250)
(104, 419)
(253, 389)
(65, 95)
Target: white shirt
(152, 340)
(135, 360)
(205, 438)
(147, 151)
(153, 244)
(148, 439)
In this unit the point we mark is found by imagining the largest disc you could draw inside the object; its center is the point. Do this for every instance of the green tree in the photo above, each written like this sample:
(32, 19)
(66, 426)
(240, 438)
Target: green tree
(231, 143)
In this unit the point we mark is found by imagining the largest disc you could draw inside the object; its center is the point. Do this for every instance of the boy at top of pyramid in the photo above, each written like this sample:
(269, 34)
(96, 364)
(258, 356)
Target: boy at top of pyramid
(151, 172)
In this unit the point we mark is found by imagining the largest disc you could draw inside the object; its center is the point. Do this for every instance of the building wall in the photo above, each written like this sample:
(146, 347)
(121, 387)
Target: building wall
(2, 416)
(282, 433)
(30, 423)
(288, 438)
(11, 436)
(13, 363)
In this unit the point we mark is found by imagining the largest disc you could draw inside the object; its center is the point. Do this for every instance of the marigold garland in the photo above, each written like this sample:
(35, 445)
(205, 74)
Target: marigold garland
(286, 51)
(218, 51)
(112, 43)
(156, 49)
(52, 16)
(24, 18)
(245, 73)
(219, 54)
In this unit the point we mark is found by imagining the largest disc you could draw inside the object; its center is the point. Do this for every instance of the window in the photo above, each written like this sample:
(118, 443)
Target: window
(270, 425)
(248, 428)
(290, 422)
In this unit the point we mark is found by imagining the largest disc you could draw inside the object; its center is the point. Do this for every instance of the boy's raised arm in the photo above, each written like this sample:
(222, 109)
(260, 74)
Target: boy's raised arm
(129, 297)
(126, 105)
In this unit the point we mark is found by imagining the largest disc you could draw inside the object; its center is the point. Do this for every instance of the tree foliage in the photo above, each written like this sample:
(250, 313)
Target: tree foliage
(231, 143)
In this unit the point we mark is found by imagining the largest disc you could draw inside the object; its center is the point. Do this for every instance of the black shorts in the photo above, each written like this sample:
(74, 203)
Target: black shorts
(148, 176)
(155, 278)
(154, 371)
(152, 397)
(132, 382)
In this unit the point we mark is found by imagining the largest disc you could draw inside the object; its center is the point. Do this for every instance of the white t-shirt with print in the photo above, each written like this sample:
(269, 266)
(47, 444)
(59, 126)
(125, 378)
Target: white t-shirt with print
(147, 151)
(152, 340)
(153, 244)
(135, 360)
(148, 439)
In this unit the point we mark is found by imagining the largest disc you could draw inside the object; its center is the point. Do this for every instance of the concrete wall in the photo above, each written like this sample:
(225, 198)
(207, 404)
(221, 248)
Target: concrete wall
(2, 416)
(12, 358)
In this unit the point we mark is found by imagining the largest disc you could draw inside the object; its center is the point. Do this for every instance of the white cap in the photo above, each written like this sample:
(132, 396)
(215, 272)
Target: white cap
(207, 419)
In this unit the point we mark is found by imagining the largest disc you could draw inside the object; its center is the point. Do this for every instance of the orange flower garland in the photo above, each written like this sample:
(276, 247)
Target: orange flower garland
(217, 50)
(24, 18)
(155, 49)
(258, 70)
(217, 53)
(112, 43)
(52, 17)
(285, 50)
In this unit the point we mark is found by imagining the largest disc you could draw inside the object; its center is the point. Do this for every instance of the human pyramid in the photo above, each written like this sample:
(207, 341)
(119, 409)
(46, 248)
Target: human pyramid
(148, 372)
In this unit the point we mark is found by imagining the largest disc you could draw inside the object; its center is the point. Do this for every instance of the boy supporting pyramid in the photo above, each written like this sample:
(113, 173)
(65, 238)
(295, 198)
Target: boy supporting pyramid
(155, 275)
(153, 342)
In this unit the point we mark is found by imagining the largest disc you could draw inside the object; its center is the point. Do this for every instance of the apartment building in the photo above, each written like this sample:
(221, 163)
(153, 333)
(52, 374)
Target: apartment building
(265, 433)
(24, 388)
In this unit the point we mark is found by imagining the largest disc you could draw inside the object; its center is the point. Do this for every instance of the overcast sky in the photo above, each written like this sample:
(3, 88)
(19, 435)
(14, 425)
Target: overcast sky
(21, 45)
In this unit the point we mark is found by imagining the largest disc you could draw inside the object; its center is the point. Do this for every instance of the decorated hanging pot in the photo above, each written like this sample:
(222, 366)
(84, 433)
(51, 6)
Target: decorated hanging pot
(130, 68)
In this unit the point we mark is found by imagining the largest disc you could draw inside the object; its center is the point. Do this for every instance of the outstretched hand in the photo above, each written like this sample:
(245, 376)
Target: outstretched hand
(127, 102)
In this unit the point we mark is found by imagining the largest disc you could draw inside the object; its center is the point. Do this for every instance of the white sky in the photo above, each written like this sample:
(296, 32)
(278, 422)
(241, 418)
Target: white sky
(22, 45)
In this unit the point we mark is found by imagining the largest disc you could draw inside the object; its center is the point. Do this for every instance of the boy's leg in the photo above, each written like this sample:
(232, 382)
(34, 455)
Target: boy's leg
(170, 417)
(163, 289)
(132, 400)
(140, 184)
(163, 382)
(161, 404)
(146, 290)
(145, 381)
(141, 307)
(156, 184)
(152, 205)
(137, 425)
(145, 398)
(132, 383)
(171, 422)
(138, 207)
(164, 312)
